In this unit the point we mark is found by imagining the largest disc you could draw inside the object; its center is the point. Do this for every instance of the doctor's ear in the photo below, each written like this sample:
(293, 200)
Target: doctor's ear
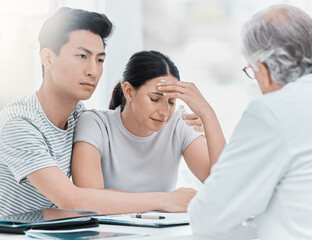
(265, 74)
(128, 91)
(268, 85)
(46, 56)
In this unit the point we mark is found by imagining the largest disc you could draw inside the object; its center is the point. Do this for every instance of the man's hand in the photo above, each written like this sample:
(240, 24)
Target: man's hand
(193, 120)
(178, 200)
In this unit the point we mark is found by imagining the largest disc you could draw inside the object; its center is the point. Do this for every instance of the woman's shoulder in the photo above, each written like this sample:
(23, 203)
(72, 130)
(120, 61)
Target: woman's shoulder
(177, 116)
(176, 121)
(99, 115)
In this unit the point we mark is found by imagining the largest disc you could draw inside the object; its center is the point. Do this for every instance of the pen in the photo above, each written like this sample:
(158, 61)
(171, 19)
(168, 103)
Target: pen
(146, 216)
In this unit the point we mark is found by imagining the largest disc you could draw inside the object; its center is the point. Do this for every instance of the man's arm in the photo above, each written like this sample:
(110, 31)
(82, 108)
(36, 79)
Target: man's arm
(243, 180)
(58, 188)
(26, 153)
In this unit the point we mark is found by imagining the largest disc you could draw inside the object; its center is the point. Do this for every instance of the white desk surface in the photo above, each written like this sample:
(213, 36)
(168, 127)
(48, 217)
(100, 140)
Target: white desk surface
(168, 233)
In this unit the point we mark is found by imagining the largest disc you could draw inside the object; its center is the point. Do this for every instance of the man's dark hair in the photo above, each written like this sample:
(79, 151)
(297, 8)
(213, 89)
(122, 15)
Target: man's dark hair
(56, 30)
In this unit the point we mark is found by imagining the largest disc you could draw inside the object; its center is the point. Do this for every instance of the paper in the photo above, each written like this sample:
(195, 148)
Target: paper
(79, 235)
(171, 219)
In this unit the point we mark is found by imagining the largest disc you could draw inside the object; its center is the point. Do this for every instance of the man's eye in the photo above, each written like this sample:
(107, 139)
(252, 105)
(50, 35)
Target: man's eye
(172, 103)
(100, 60)
(82, 56)
(154, 100)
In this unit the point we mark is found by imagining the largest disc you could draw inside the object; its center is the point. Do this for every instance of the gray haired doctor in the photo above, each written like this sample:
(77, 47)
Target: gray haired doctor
(265, 170)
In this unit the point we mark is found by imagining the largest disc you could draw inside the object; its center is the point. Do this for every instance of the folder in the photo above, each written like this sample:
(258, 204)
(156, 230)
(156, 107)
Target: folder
(170, 220)
(48, 219)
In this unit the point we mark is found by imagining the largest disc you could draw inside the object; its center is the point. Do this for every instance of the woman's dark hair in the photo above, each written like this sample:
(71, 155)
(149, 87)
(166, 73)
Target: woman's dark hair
(56, 30)
(142, 67)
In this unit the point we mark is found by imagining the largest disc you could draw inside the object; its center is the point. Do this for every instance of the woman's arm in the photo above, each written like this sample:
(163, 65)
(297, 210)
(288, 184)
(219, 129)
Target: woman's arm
(90, 192)
(196, 158)
(86, 166)
(215, 141)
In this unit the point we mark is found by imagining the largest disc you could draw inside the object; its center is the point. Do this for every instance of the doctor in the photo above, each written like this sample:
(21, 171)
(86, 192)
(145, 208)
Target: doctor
(266, 168)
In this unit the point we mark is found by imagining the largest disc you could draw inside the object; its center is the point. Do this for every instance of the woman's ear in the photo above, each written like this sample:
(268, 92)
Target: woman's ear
(128, 91)
(46, 56)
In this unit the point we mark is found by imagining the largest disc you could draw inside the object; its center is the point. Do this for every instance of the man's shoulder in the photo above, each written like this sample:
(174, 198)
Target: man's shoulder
(25, 107)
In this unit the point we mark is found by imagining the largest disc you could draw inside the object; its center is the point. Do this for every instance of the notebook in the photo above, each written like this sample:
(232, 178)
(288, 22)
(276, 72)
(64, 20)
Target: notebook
(48, 218)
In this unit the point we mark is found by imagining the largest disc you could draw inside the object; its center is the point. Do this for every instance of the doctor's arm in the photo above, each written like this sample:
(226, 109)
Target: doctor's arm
(243, 180)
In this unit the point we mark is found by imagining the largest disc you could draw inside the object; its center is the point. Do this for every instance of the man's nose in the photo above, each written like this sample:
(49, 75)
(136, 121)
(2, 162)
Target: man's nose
(92, 70)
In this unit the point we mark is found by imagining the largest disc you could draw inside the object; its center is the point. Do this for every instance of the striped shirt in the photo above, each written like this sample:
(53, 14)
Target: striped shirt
(29, 142)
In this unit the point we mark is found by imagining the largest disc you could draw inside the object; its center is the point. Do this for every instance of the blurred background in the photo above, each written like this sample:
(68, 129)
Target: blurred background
(202, 37)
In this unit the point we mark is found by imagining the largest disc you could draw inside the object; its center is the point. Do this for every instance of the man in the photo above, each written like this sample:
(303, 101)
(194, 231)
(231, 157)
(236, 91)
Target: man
(265, 170)
(36, 132)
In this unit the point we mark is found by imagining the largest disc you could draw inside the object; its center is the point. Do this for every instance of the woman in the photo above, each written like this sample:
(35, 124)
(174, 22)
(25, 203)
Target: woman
(136, 146)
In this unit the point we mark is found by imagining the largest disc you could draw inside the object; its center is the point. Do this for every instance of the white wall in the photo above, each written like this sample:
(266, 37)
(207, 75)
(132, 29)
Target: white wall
(127, 38)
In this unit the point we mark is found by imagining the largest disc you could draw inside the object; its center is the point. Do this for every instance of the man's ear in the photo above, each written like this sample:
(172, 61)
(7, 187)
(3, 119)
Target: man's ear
(128, 91)
(265, 75)
(46, 56)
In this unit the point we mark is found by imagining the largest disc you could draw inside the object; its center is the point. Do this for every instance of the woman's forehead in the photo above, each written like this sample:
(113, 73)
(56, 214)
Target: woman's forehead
(154, 81)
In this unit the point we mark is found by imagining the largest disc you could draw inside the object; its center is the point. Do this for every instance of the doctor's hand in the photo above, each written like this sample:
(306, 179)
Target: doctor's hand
(178, 200)
(187, 92)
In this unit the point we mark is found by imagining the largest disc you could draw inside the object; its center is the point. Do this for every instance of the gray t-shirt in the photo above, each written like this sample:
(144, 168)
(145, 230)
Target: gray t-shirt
(29, 142)
(132, 163)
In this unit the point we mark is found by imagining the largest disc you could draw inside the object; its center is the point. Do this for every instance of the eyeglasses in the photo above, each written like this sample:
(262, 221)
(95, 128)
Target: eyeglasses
(249, 72)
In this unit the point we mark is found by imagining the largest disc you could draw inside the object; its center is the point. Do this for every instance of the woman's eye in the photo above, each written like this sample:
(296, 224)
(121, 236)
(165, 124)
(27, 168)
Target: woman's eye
(154, 100)
(172, 103)
(82, 56)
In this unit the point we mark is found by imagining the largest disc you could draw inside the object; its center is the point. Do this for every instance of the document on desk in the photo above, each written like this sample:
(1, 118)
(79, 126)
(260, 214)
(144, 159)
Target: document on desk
(169, 220)
(79, 234)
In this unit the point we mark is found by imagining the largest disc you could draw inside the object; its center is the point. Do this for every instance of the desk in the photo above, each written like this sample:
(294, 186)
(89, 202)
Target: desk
(169, 233)
(159, 233)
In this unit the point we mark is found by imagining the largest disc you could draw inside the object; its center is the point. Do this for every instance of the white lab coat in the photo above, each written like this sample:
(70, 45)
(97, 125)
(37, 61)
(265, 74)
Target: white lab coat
(264, 171)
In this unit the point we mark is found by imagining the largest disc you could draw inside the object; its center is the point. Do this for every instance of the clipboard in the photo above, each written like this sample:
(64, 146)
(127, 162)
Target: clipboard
(171, 220)
(48, 219)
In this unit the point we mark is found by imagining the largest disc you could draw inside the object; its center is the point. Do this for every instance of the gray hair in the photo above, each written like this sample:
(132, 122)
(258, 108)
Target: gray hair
(281, 38)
